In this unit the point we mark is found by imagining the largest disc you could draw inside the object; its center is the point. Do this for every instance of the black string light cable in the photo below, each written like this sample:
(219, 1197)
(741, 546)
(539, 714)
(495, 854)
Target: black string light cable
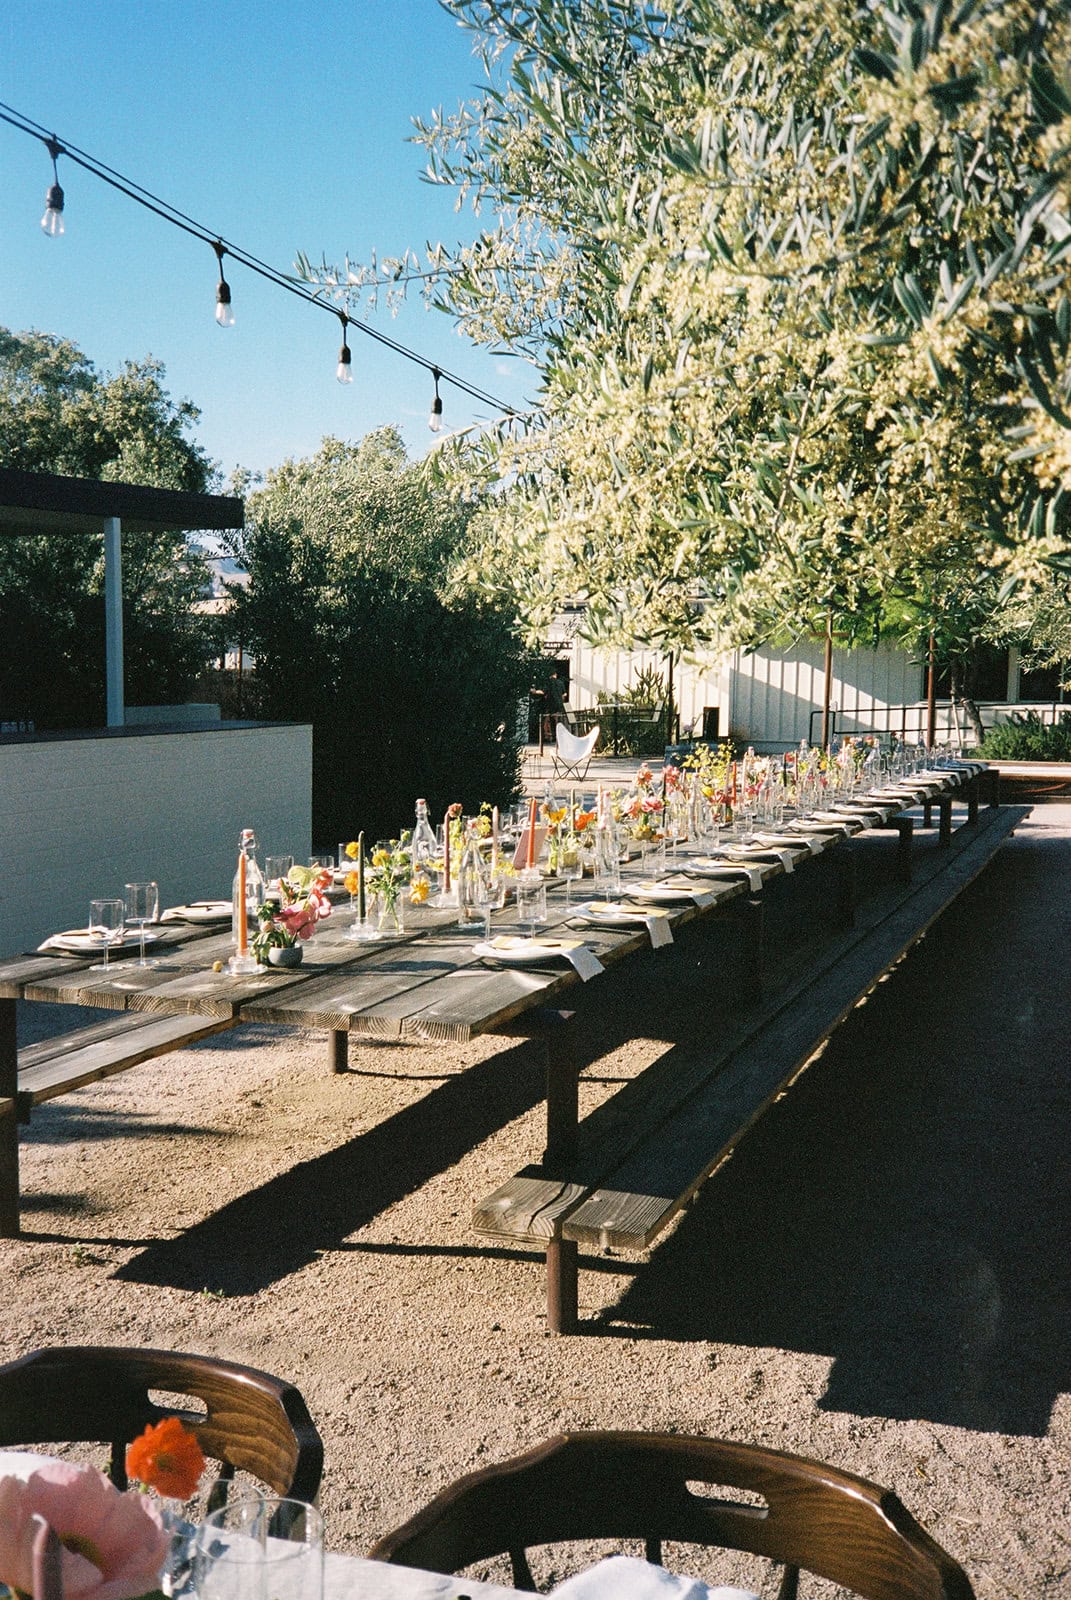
(52, 222)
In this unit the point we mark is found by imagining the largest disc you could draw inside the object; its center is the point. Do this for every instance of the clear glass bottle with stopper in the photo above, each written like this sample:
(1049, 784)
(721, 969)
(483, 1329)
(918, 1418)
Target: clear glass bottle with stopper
(423, 845)
(472, 878)
(246, 897)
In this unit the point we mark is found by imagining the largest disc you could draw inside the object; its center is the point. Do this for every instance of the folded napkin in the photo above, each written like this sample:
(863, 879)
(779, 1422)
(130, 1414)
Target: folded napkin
(655, 921)
(717, 867)
(627, 1578)
(585, 962)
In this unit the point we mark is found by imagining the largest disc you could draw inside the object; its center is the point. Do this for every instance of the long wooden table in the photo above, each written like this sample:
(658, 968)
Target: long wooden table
(424, 984)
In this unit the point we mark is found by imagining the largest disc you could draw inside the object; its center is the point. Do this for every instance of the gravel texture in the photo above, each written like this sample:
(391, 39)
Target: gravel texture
(879, 1278)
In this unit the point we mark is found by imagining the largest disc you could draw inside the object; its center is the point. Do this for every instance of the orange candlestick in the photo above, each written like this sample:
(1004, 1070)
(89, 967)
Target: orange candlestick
(530, 856)
(243, 914)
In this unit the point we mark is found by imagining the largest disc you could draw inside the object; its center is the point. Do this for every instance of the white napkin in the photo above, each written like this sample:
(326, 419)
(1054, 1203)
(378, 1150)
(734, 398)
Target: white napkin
(731, 869)
(627, 1578)
(584, 962)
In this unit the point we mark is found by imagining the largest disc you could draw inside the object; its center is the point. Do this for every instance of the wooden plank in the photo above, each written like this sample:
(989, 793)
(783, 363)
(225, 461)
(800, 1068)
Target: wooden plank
(99, 1051)
(659, 1175)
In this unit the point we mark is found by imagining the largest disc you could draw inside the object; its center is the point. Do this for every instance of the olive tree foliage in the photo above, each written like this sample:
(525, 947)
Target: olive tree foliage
(58, 414)
(795, 281)
(409, 693)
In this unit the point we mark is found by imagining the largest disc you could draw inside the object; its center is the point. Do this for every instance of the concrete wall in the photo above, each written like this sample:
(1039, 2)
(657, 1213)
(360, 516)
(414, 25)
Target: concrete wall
(82, 815)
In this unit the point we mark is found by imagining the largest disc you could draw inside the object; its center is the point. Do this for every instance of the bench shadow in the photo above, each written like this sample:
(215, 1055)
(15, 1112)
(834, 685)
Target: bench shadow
(905, 1209)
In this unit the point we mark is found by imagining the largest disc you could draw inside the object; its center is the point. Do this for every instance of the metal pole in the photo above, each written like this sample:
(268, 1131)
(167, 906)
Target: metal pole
(113, 621)
(827, 693)
(931, 694)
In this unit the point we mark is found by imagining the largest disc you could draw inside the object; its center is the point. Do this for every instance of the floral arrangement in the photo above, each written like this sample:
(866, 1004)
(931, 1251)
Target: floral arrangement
(293, 911)
(113, 1545)
(390, 870)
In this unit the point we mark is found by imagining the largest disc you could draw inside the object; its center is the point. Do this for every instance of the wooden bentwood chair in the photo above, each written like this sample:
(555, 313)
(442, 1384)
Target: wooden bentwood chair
(644, 1486)
(246, 1420)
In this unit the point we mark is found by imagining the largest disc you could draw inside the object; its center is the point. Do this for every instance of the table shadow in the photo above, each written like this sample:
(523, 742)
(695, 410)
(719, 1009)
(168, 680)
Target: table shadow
(905, 1209)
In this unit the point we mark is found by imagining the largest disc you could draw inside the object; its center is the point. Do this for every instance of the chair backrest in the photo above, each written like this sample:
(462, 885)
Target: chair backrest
(643, 1486)
(575, 747)
(247, 1419)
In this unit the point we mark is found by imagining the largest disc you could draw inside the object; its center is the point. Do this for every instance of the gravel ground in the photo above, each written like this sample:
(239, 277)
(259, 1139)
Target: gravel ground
(879, 1278)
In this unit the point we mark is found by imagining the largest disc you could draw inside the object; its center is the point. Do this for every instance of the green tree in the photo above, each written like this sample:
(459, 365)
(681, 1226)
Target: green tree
(410, 692)
(57, 414)
(796, 281)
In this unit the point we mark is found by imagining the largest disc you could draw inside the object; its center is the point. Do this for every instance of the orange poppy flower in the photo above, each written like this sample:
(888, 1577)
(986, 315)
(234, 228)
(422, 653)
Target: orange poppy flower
(167, 1458)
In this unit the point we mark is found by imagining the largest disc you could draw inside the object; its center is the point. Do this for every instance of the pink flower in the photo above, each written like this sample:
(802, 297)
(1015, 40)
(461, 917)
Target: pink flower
(114, 1544)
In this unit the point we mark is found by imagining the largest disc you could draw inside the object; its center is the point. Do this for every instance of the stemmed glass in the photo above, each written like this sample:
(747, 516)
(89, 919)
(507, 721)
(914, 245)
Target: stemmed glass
(142, 907)
(570, 866)
(106, 918)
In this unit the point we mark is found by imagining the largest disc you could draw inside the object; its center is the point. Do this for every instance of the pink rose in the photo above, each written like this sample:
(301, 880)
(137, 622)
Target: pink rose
(114, 1544)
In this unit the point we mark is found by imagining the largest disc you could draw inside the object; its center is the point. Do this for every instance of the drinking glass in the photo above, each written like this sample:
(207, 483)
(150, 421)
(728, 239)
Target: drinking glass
(106, 918)
(324, 861)
(488, 898)
(531, 902)
(260, 1549)
(276, 867)
(570, 867)
(142, 907)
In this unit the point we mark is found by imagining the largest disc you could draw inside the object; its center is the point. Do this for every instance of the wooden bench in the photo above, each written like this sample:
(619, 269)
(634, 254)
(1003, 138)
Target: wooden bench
(71, 1060)
(641, 1156)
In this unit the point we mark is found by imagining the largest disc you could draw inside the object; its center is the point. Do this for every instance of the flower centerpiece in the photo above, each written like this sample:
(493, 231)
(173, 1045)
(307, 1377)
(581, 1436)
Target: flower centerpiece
(292, 911)
(67, 1530)
(390, 871)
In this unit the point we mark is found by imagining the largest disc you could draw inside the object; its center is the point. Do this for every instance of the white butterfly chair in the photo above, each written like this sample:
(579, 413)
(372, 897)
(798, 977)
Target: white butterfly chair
(573, 756)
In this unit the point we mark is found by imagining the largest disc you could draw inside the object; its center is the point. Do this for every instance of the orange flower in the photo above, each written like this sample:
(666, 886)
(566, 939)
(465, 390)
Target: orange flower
(583, 818)
(166, 1458)
(352, 882)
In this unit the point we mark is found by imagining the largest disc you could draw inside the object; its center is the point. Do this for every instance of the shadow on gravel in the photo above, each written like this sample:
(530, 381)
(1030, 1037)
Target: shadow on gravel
(906, 1209)
(279, 1227)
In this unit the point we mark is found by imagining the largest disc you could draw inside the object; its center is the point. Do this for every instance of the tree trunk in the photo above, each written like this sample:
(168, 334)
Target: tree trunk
(966, 701)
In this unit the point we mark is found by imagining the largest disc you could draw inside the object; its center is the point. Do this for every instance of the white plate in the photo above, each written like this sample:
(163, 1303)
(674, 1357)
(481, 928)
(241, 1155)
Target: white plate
(661, 891)
(520, 952)
(200, 911)
(611, 912)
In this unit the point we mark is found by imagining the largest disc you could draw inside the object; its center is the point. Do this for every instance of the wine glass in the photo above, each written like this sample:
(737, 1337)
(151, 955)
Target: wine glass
(106, 918)
(142, 907)
(570, 865)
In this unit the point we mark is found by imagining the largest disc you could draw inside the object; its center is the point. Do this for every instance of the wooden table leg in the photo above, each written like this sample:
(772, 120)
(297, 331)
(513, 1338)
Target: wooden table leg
(845, 892)
(562, 1286)
(905, 827)
(751, 915)
(563, 1086)
(9, 1125)
(944, 836)
(337, 1050)
(972, 787)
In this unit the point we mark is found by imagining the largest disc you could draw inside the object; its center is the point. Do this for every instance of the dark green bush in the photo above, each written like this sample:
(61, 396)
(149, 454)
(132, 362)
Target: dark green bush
(1025, 737)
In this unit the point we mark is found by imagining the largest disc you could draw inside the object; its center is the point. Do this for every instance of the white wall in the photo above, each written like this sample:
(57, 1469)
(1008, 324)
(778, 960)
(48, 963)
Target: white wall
(79, 817)
(695, 684)
(774, 691)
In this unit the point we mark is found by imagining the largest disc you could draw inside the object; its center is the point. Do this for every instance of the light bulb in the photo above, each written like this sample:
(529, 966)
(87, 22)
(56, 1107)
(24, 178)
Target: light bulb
(52, 221)
(344, 370)
(224, 312)
(435, 420)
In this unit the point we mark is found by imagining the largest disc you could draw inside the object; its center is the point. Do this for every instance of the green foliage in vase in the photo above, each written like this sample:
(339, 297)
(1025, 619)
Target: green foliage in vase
(410, 691)
(58, 414)
(794, 284)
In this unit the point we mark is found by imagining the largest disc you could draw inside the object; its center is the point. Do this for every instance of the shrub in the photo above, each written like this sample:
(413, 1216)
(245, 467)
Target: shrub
(1025, 737)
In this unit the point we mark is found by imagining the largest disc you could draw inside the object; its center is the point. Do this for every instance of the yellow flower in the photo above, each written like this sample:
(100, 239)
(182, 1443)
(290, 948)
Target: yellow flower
(418, 891)
(352, 849)
(380, 858)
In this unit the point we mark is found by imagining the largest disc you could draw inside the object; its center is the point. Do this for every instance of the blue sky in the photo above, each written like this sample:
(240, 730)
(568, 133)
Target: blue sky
(279, 125)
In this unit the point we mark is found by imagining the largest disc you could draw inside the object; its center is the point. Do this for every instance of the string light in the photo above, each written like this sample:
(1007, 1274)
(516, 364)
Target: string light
(224, 313)
(52, 221)
(344, 370)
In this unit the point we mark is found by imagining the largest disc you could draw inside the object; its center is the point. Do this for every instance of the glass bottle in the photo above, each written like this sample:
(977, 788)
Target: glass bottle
(422, 845)
(471, 879)
(249, 875)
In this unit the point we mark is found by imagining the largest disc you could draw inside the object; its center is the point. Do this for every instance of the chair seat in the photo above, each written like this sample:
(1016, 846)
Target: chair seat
(573, 751)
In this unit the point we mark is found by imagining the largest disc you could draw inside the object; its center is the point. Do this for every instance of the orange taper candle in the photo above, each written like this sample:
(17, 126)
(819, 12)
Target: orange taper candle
(243, 913)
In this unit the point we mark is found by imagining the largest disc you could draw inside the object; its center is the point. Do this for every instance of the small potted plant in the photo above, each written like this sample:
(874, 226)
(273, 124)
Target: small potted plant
(290, 915)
